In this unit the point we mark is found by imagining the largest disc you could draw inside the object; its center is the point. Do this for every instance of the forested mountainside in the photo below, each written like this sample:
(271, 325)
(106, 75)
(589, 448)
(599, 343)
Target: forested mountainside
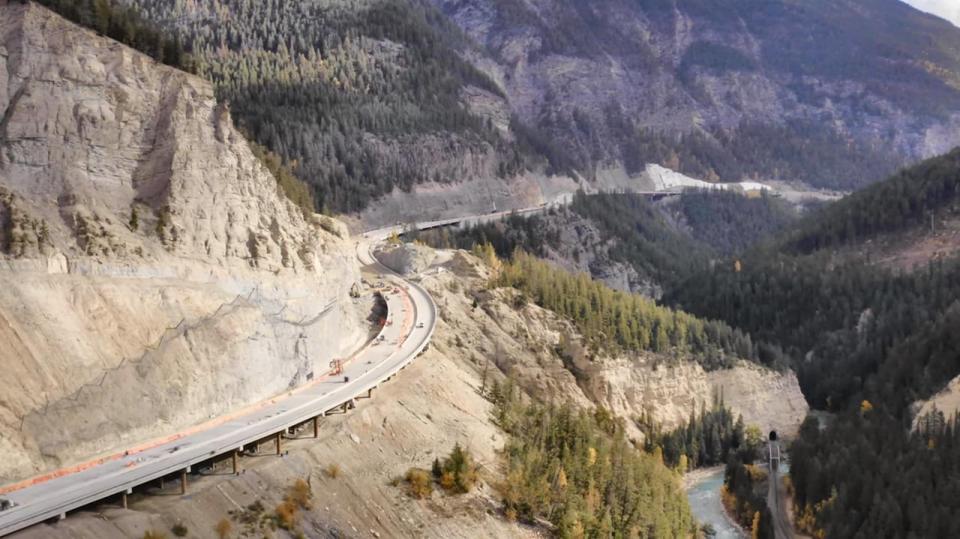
(867, 342)
(914, 197)
(362, 97)
(615, 321)
(359, 97)
(629, 242)
(125, 25)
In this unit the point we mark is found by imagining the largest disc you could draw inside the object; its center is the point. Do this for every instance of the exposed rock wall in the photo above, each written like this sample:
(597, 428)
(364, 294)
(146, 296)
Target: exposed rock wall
(152, 275)
(407, 258)
(670, 391)
(542, 352)
(589, 75)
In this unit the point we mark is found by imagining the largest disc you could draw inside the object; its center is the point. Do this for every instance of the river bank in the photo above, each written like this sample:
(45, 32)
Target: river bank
(703, 493)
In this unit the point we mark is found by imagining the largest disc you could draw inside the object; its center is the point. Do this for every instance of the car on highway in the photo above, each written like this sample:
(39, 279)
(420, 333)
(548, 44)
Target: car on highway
(6, 504)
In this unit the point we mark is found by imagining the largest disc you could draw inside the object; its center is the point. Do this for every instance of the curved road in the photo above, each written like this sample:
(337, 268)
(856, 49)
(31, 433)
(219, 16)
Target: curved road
(413, 316)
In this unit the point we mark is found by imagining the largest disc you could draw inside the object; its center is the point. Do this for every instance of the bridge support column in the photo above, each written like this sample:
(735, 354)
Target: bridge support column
(123, 497)
(316, 427)
(183, 481)
(233, 457)
(351, 404)
(278, 444)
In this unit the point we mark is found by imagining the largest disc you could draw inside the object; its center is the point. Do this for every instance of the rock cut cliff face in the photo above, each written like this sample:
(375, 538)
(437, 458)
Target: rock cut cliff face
(152, 274)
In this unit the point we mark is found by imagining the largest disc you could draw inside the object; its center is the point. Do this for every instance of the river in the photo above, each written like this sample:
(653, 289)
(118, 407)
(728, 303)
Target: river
(703, 492)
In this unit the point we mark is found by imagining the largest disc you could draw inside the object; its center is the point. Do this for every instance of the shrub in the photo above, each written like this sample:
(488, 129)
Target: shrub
(300, 494)
(286, 514)
(419, 482)
(179, 530)
(333, 471)
(223, 528)
(459, 471)
(298, 497)
(447, 481)
(295, 189)
(154, 534)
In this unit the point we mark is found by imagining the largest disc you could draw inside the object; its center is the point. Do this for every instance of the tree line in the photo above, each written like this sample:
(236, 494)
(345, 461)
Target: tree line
(708, 438)
(744, 496)
(125, 25)
(915, 196)
(616, 320)
(868, 475)
(576, 469)
(351, 96)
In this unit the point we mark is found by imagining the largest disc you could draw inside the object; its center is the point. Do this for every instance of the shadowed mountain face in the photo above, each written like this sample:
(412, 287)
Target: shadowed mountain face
(833, 93)
(367, 97)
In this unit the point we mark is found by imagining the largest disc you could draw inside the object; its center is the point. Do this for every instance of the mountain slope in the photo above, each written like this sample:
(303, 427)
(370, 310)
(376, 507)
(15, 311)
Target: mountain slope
(833, 93)
(151, 271)
(869, 342)
(921, 196)
(432, 109)
(628, 242)
(361, 96)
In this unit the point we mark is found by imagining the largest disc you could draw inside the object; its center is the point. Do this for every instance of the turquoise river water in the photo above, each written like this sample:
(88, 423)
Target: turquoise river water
(704, 497)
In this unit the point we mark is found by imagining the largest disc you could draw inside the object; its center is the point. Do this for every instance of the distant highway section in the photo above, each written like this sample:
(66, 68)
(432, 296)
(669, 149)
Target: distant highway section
(411, 318)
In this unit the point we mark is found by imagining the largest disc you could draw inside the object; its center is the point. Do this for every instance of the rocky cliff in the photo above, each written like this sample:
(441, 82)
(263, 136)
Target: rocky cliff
(731, 84)
(152, 274)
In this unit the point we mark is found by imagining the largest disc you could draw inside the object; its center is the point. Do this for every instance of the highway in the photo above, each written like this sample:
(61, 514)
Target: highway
(412, 317)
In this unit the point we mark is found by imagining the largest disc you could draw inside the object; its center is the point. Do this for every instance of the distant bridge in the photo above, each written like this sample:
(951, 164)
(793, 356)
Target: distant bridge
(463, 222)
